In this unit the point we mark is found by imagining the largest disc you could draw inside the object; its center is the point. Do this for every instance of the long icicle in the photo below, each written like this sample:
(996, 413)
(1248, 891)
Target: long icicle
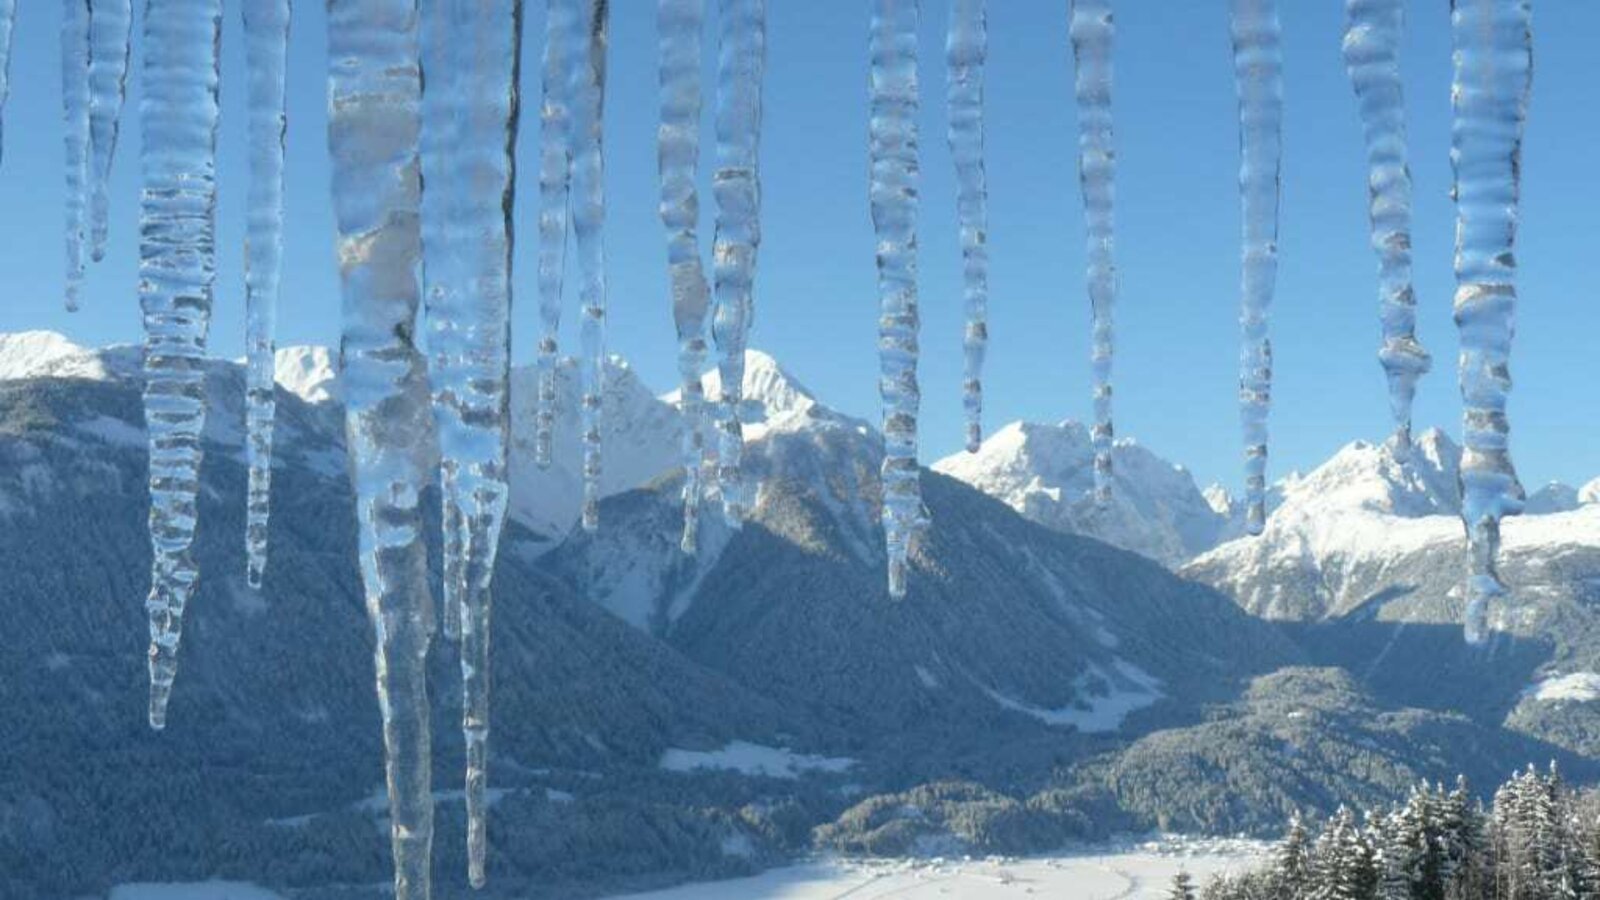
(491, 50)
(177, 273)
(75, 111)
(477, 52)
(892, 146)
(1373, 32)
(1093, 36)
(8, 24)
(680, 23)
(555, 175)
(374, 90)
(266, 28)
(1258, 70)
(966, 51)
(741, 69)
(110, 39)
(588, 222)
(443, 280)
(1493, 73)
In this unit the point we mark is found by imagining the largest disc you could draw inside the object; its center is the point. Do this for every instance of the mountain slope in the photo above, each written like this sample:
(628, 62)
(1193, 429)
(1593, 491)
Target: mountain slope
(1008, 626)
(1364, 563)
(273, 716)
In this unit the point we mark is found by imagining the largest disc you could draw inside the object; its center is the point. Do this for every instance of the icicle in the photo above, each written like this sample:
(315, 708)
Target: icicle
(1493, 72)
(374, 95)
(966, 49)
(741, 69)
(469, 129)
(679, 23)
(75, 109)
(8, 21)
(1372, 54)
(1258, 69)
(1093, 35)
(588, 85)
(892, 133)
(555, 174)
(177, 270)
(110, 36)
(441, 138)
(266, 27)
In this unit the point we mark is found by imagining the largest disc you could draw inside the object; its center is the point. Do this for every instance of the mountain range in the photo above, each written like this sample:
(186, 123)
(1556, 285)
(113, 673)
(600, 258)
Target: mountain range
(1058, 671)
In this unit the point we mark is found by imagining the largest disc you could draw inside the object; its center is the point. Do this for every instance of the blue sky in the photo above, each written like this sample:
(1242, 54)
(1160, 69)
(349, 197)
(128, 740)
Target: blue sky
(816, 302)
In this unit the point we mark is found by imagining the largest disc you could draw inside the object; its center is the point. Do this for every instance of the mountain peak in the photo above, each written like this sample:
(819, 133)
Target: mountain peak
(1046, 473)
(1369, 476)
(770, 390)
(49, 354)
(308, 371)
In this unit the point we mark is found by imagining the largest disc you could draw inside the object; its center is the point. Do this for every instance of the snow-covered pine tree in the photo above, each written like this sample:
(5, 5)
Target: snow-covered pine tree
(1182, 887)
(1293, 863)
(1343, 868)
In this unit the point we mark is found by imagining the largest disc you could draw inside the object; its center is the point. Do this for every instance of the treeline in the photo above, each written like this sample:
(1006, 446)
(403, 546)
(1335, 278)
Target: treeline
(1538, 840)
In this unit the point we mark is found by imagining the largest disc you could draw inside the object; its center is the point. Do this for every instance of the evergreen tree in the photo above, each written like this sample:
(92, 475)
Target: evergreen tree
(1293, 863)
(1182, 887)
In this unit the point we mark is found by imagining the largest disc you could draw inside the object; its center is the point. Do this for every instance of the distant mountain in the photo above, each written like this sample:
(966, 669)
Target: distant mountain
(274, 739)
(1046, 473)
(1365, 560)
(661, 716)
(794, 603)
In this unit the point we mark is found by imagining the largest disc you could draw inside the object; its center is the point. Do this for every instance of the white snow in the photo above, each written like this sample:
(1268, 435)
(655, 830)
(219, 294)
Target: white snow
(1578, 687)
(1046, 473)
(47, 354)
(203, 890)
(1132, 689)
(1137, 872)
(753, 759)
(309, 372)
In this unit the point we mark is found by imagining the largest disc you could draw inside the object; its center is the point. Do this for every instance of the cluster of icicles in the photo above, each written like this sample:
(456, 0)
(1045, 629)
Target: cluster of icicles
(427, 176)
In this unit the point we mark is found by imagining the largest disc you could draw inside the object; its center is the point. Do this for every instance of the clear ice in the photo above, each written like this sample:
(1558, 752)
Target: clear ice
(1493, 44)
(75, 111)
(177, 273)
(1093, 36)
(561, 54)
(1258, 71)
(1373, 33)
(469, 122)
(110, 37)
(588, 86)
(679, 23)
(266, 31)
(8, 22)
(892, 146)
(741, 69)
(374, 95)
(966, 50)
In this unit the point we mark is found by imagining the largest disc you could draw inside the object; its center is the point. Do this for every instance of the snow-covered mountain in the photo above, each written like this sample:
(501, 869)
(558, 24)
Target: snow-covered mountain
(1046, 473)
(1365, 558)
(1086, 688)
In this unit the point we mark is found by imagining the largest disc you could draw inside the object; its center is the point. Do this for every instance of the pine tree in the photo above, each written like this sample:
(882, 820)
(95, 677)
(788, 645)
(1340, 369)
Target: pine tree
(1293, 863)
(1182, 887)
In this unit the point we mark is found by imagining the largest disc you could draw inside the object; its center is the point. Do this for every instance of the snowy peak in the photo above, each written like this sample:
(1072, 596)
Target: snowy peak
(640, 439)
(770, 391)
(1046, 473)
(309, 372)
(1368, 476)
(1554, 497)
(47, 354)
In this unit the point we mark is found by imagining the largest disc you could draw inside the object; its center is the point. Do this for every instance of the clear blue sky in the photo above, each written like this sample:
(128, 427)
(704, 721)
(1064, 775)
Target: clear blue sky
(816, 302)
